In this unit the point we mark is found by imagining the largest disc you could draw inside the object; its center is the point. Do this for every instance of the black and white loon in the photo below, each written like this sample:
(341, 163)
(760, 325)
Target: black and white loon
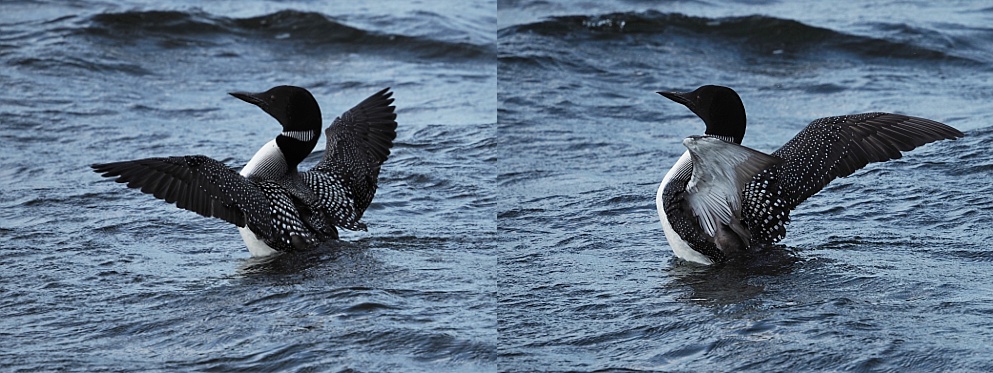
(275, 207)
(721, 198)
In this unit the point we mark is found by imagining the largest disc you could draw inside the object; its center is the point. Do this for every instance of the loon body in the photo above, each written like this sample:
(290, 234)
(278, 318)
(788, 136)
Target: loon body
(721, 198)
(275, 207)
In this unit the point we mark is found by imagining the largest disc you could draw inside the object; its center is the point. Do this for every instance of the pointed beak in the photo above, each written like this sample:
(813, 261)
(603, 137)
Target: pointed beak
(682, 98)
(252, 98)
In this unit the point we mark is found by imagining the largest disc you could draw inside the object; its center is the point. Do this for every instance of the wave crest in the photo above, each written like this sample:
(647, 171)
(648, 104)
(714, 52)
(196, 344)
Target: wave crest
(308, 29)
(757, 33)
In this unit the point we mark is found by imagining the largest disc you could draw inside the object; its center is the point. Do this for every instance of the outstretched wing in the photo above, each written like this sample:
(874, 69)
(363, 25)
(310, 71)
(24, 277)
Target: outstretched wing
(196, 183)
(358, 142)
(829, 148)
(834, 147)
(721, 170)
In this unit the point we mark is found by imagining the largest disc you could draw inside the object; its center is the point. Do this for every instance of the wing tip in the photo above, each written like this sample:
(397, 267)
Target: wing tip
(109, 170)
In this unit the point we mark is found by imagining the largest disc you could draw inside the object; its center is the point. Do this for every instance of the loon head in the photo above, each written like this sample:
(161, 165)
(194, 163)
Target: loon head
(719, 107)
(297, 111)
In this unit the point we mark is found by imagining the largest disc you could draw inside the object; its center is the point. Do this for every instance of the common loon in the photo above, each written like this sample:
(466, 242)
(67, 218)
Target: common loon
(721, 198)
(275, 207)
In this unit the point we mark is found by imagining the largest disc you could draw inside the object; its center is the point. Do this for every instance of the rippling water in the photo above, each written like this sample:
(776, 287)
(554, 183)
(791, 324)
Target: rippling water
(100, 277)
(884, 270)
(515, 227)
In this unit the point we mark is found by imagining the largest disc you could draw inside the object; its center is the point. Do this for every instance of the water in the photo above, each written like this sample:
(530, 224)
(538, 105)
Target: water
(100, 277)
(515, 227)
(885, 270)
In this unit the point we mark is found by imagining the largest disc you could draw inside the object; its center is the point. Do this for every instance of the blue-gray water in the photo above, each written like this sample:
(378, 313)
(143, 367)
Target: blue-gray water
(515, 227)
(893, 269)
(96, 276)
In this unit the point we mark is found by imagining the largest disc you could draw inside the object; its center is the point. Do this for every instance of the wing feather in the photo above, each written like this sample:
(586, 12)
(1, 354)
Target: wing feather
(358, 142)
(721, 170)
(196, 183)
(833, 147)
(829, 148)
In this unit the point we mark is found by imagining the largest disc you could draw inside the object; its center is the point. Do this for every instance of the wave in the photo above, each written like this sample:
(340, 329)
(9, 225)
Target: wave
(756, 33)
(295, 28)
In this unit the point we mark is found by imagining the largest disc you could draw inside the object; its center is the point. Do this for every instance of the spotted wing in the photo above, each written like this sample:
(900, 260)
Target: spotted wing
(358, 142)
(196, 183)
(829, 148)
(721, 170)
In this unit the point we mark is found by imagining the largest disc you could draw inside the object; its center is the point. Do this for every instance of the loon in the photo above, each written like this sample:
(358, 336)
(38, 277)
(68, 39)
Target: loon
(275, 207)
(720, 198)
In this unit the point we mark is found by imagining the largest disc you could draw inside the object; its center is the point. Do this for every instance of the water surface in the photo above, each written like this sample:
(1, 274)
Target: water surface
(100, 277)
(884, 270)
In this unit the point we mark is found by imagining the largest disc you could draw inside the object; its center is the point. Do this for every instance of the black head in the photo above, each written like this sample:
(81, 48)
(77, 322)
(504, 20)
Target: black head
(297, 111)
(294, 107)
(719, 107)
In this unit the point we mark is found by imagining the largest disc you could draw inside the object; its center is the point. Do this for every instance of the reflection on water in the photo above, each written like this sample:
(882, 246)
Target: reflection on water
(332, 254)
(733, 282)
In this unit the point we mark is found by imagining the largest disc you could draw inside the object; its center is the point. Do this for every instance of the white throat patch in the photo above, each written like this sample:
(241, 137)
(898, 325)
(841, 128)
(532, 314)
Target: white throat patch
(304, 136)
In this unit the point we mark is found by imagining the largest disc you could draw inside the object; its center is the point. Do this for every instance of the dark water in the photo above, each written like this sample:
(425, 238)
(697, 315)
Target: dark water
(887, 270)
(99, 277)
(515, 227)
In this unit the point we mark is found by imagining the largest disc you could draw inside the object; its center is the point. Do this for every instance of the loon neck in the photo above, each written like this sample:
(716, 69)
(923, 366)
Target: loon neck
(297, 145)
(731, 139)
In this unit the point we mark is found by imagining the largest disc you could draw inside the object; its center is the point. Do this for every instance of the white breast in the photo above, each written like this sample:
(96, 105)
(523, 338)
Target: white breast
(268, 162)
(256, 246)
(678, 245)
